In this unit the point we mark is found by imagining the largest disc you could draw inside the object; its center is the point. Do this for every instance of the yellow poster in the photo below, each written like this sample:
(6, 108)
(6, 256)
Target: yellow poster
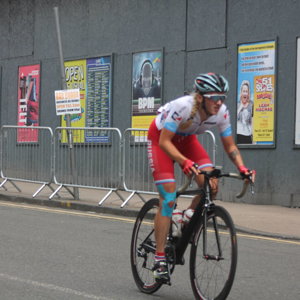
(75, 73)
(263, 115)
(141, 122)
(256, 94)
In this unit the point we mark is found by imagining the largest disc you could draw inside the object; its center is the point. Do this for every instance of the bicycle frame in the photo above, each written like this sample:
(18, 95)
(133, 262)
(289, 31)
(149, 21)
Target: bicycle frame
(200, 213)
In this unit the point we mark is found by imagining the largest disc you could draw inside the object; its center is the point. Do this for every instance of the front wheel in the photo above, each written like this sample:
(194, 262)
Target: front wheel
(213, 258)
(142, 250)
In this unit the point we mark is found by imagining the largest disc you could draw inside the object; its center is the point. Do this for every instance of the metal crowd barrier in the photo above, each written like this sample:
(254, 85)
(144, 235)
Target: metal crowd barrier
(92, 160)
(26, 155)
(137, 175)
(85, 157)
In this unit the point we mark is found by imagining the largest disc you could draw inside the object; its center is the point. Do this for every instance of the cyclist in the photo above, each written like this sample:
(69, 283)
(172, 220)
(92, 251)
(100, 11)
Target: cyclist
(172, 137)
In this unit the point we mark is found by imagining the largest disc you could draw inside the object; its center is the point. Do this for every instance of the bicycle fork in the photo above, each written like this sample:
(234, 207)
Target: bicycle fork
(217, 236)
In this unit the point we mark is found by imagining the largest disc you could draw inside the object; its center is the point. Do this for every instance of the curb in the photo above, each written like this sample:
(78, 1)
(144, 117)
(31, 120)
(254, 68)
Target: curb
(243, 230)
(125, 212)
(68, 204)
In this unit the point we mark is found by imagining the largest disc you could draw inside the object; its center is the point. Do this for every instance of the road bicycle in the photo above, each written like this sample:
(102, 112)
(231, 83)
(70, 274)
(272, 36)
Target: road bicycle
(211, 233)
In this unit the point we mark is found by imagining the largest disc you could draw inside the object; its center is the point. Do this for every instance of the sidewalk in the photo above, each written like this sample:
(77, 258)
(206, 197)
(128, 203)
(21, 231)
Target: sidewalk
(266, 220)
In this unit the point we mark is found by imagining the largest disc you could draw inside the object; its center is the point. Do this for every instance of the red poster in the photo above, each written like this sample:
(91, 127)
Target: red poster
(28, 102)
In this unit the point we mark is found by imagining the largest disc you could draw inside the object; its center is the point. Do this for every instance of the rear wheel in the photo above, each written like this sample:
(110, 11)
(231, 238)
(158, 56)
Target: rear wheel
(212, 271)
(143, 247)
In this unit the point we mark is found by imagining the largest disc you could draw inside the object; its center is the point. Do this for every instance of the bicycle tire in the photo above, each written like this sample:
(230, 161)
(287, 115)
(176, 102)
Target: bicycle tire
(141, 256)
(213, 278)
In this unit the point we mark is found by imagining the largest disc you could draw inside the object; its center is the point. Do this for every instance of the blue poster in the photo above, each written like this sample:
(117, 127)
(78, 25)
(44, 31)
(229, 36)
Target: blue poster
(98, 104)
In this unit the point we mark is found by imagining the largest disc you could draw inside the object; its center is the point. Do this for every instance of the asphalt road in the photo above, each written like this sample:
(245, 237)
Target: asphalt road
(49, 253)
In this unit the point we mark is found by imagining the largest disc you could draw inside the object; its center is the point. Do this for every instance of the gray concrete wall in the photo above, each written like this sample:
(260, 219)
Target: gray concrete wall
(195, 35)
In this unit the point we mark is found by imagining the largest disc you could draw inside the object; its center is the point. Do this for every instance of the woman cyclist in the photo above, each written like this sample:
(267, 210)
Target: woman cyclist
(172, 137)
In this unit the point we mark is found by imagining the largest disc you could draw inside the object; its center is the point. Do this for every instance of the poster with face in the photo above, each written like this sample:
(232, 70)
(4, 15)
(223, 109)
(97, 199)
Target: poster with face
(256, 94)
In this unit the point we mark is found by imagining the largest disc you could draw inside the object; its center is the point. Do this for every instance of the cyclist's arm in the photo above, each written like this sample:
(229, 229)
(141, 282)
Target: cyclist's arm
(165, 143)
(232, 151)
(236, 157)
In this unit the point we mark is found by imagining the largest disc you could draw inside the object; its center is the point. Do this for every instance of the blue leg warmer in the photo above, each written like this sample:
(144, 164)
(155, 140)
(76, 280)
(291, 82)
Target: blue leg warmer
(168, 201)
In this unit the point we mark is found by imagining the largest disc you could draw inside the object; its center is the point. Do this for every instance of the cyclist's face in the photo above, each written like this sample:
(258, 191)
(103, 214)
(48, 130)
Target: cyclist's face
(212, 106)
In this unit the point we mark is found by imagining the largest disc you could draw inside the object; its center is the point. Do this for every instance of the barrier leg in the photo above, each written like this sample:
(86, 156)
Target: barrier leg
(39, 190)
(5, 180)
(2, 184)
(128, 198)
(142, 198)
(73, 195)
(105, 197)
(56, 191)
(52, 189)
(17, 188)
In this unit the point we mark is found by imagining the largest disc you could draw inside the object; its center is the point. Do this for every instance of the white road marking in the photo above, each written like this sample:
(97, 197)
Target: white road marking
(52, 287)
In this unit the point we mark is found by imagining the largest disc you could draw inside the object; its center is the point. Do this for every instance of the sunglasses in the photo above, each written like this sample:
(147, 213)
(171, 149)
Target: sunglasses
(215, 97)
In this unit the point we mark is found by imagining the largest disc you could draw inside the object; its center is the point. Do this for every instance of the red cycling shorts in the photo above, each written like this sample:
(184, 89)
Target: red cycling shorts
(162, 165)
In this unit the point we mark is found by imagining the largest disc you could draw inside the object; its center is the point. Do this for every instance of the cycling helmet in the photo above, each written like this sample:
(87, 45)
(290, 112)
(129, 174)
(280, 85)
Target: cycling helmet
(211, 82)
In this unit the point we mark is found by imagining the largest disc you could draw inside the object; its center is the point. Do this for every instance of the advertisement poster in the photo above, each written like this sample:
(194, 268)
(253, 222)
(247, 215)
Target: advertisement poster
(297, 123)
(75, 74)
(67, 102)
(93, 78)
(28, 102)
(98, 105)
(146, 88)
(256, 94)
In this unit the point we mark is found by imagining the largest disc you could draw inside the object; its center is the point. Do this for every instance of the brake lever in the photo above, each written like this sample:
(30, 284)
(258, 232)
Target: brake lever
(252, 188)
(245, 187)
(252, 182)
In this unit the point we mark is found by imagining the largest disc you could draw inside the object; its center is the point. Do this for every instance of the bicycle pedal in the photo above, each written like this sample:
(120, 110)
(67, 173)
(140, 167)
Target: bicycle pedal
(163, 281)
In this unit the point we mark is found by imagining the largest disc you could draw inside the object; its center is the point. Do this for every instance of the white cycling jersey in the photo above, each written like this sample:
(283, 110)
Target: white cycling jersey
(176, 113)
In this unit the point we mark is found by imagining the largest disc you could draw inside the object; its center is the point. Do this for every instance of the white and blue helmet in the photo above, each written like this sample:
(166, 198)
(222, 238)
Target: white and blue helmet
(211, 82)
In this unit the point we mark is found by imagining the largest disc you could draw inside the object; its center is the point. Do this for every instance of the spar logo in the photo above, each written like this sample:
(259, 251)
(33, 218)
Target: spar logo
(264, 84)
